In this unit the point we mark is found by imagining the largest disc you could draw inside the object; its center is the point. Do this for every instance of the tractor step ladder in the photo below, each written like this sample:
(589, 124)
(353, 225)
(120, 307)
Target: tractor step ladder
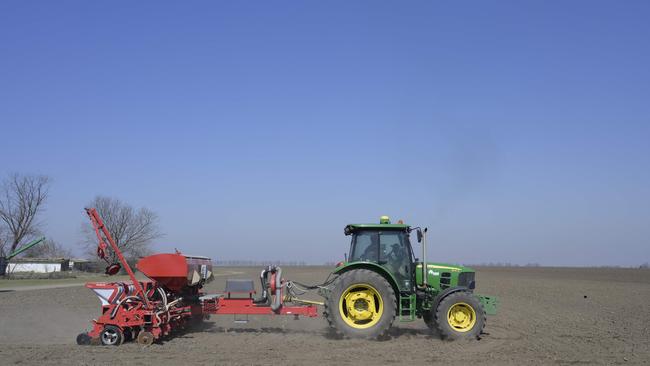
(407, 308)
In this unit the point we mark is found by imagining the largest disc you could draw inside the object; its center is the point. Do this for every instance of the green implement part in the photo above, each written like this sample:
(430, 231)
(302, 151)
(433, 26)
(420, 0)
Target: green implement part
(489, 304)
(25, 247)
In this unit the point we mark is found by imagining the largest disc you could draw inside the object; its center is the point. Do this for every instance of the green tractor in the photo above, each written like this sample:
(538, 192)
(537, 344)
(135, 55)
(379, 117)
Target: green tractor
(382, 279)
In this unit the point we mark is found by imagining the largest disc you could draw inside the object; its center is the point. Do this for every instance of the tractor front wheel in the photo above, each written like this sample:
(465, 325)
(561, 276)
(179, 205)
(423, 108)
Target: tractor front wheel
(460, 315)
(361, 305)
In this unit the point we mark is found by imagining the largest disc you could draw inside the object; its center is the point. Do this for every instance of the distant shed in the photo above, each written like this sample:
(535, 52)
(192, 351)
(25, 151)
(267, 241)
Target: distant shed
(79, 264)
(38, 265)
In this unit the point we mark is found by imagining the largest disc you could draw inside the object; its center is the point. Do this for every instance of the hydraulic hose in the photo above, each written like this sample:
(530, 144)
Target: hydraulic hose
(119, 303)
(163, 295)
(265, 296)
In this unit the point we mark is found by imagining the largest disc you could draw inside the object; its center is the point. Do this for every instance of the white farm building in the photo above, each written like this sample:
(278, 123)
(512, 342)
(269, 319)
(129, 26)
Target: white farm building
(38, 265)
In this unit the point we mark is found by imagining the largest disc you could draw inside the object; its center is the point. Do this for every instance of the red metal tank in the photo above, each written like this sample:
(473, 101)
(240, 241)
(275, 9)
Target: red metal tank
(176, 271)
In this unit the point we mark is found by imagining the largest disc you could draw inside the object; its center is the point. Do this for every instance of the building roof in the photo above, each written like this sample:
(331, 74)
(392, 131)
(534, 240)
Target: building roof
(37, 260)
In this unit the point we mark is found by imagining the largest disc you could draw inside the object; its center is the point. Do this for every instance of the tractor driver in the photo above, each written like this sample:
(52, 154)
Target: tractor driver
(393, 254)
(398, 260)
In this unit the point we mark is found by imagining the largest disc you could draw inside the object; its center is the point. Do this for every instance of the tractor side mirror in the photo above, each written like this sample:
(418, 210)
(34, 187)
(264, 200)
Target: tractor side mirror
(419, 232)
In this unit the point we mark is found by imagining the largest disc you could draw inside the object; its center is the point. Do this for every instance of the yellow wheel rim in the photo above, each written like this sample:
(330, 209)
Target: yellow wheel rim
(461, 317)
(361, 306)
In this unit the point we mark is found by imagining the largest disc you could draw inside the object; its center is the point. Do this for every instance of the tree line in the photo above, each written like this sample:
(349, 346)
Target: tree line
(251, 263)
(23, 199)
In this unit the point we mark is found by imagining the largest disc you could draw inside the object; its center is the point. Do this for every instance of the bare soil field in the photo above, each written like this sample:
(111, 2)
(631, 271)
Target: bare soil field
(546, 316)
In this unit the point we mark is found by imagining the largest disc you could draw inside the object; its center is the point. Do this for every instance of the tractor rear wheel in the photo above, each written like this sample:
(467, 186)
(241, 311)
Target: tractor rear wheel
(460, 315)
(361, 305)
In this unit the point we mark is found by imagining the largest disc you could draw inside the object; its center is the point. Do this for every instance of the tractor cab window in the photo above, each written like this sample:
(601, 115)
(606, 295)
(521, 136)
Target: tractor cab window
(390, 249)
(365, 247)
(396, 246)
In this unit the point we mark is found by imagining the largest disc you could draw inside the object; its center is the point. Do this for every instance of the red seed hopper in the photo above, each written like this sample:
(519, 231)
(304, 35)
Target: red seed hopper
(176, 271)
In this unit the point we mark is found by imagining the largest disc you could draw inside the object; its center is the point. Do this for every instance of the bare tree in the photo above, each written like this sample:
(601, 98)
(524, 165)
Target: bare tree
(133, 230)
(21, 200)
(48, 249)
(3, 240)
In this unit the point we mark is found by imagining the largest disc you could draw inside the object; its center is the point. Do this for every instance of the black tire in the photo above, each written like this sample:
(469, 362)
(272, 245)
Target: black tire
(83, 339)
(430, 319)
(467, 301)
(335, 313)
(111, 336)
(128, 335)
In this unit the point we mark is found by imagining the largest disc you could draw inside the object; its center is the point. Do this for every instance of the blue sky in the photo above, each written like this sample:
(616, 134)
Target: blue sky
(517, 131)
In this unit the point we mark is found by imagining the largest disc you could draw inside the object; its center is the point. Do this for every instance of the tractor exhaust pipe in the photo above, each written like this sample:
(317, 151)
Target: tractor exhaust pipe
(424, 258)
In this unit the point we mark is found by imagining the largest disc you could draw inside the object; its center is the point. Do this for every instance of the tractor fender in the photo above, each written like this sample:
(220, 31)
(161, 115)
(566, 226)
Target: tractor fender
(446, 293)
(372, 267)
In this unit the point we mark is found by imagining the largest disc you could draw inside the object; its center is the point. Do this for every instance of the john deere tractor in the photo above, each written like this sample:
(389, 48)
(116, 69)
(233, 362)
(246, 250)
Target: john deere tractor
(382, 279)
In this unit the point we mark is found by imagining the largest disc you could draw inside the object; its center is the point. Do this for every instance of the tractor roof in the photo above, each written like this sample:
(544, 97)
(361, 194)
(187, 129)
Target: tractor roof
(378, 226)
(383, 225)
(349, 229)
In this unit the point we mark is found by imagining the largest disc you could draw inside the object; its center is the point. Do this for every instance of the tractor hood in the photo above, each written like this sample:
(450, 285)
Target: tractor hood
(446, 267)
(443, 275)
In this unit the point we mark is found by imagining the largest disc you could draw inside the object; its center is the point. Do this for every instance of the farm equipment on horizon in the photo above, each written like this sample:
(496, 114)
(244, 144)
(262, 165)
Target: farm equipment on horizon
(379, 281)
(4, 261)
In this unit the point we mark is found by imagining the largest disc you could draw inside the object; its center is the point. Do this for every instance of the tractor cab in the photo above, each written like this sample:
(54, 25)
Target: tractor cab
(385, 244)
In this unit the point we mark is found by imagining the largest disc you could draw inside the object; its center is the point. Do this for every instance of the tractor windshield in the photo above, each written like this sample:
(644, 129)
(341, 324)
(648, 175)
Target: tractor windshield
(390, 249)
